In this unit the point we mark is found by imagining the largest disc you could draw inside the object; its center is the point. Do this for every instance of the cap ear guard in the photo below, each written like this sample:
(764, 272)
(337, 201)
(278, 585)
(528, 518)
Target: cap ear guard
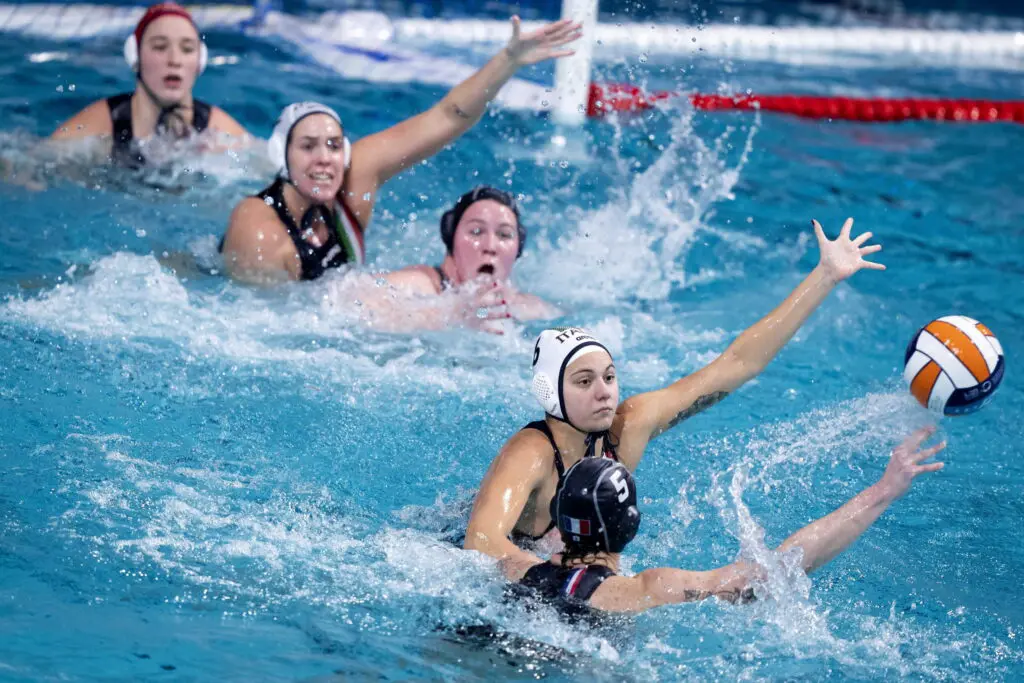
(546, 393)
(131, 54)
(543, 387)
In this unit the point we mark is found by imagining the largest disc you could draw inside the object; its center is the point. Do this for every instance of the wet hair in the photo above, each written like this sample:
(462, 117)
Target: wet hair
(450, 219)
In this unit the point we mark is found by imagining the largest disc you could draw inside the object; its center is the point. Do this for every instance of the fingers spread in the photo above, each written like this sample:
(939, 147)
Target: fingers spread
(847, 226)
(918, 437)
(926, 453)
(861, 239)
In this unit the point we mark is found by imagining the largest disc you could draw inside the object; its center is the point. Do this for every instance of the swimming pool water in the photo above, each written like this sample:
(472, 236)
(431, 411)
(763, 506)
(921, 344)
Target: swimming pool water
(206, 481)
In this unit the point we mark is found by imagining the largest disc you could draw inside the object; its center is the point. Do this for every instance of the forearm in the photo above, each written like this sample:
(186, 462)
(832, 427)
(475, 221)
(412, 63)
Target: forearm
(759, 344)
(668, 585)
(513, 558)
(388, 309)
(827, 537)
(379, 157)
(467, 101)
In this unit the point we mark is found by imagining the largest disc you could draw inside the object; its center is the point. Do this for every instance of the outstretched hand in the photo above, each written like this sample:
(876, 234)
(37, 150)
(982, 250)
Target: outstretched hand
(842, 257)
(908, 461)
(544, 43)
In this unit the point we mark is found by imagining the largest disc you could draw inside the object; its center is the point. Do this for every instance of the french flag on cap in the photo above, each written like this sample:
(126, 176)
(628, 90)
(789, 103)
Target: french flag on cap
(578, 527)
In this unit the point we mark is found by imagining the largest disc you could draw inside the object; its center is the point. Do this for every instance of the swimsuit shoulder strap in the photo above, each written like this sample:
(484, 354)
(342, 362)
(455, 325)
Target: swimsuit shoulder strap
(121, 122)
(582, 581)
(200, 115)
(121, 118)
(445, 282)
(350, 232)
(275, 193)
(542, 427)
(610, 447)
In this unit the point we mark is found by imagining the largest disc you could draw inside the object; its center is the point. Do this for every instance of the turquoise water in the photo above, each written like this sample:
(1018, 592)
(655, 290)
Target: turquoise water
(204, 481)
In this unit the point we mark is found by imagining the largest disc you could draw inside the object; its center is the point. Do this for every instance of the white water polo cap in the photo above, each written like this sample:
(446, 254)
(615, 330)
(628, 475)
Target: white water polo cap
(277, 145)
(553, 352)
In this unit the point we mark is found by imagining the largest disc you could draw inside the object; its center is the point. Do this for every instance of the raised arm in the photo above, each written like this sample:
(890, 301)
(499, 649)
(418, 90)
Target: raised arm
(514, 475)
(378, 157)
(645, 416)
(827, 537)
(819, 541)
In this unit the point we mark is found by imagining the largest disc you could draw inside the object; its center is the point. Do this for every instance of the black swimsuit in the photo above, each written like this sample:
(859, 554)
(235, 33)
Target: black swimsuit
(542, 427)
(568, 589)
(344, 243)
(124, 153)
(457, 536)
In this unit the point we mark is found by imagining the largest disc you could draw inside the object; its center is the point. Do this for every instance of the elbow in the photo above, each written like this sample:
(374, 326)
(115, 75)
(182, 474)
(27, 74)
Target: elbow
(739, 367)
(736, 585)
(481, 542)
(460, 118)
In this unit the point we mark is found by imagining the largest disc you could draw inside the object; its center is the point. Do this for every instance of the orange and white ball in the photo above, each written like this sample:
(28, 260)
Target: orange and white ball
(954, 365)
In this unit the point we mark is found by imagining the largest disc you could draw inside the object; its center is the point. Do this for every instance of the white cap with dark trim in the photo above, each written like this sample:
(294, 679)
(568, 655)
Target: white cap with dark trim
(277, 145)
(553, 352)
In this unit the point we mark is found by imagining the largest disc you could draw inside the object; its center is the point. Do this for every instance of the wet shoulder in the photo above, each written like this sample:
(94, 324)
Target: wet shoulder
(93, 120)
(223, 122)
(532, 307)
(529, 447)
(253, 220)
(418, 279)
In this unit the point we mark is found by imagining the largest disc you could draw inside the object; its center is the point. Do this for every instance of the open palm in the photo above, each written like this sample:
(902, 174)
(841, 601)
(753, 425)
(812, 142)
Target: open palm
(842, 257)
(544, 43)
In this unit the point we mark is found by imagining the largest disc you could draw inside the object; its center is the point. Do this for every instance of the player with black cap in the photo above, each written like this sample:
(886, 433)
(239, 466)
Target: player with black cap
(595, 508)
(575, 379)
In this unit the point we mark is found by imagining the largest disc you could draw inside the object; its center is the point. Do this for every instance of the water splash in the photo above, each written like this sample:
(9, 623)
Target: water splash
(636, 242)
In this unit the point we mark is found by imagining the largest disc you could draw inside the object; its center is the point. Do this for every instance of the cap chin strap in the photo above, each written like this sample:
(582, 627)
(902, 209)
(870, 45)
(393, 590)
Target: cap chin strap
(590, 440)
(590, 444)
(166, 111)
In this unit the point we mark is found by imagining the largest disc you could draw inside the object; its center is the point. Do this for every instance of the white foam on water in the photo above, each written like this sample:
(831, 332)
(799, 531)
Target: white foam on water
(203, 164)
(247, 556)
(321, 330)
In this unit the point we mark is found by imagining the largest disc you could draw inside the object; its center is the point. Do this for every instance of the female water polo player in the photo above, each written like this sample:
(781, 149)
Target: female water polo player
(313, 217)
(574, 379)
(595, 506)
(484, 236)
(167, 55)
